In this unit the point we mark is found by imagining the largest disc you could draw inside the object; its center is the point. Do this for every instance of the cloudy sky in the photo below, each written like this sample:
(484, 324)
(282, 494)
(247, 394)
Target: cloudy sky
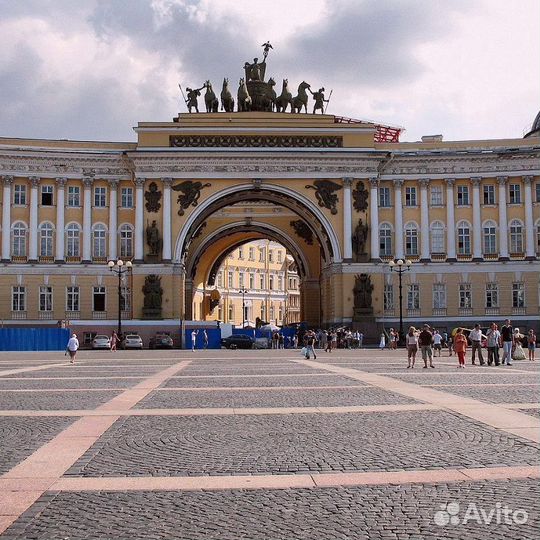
(92, 69)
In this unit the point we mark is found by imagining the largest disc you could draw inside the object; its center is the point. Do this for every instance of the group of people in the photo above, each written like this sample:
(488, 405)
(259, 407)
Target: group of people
(194, 334)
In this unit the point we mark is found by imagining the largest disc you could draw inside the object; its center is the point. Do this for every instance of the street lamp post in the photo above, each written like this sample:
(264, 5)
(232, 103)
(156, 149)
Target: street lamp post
(243, 292)
(120, 268)
(400, 266)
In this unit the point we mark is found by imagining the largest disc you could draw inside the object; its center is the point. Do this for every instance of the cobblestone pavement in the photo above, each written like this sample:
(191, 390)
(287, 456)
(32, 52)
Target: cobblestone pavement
(263, 446)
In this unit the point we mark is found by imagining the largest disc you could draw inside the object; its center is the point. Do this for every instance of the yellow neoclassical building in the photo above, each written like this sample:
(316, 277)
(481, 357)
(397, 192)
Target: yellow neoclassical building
(340, 197)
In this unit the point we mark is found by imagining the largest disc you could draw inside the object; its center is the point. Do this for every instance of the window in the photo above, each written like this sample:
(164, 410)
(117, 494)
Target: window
(18, 243)
(437, 237)
(280, 283)
(74, 196)
(46, 232)
(537, 189)
(271, 282)
(72, 299)
(413, 296)
(489, 238)
(98, 295)
(385, 239)
(492, 295)
(126, 241)
(251, 254)
(126, 197)
(240, 252)
(231, 312)
(230, 279)
(272, 312)
(436, 195)
(439, 296)
(462, 195)
(270, 255)
(280, 312)
(279, 256)
(46, 195)
(241, 280)
(19, 194)
(384, 197)
(125, 299)
(411, 239)
(18, 298)
(388, 297)
(251, 281)
(220, 279)
(100, 197)
(73, 240)
(261, 254)
(465, 295)
(410, 196)
(515, 193)
(45, 298)
(518, 295)
(516, 236)
(464, 238)
(262, 282)
(99, 241)
(489, 194)
(263, 311)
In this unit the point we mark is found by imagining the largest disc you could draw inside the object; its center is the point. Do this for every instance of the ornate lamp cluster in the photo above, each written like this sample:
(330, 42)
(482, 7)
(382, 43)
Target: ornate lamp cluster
(120, 268)
(400, 266)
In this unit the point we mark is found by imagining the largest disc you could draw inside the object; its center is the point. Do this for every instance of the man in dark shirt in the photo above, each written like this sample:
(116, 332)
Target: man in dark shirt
(425, 339)
(506, 336)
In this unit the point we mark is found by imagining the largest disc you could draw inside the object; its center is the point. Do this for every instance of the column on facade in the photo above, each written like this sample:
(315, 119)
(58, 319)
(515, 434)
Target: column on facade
(113, 219)
(450, 221)
(529, 225)
(503, 220)
(374, 218)
(33, 222)
(477, 220)
(60, 225)
(87, 219)
(424, 220)
(6, 218)
(166, 253)
(139, 219)
(398, 218)
(347, 219)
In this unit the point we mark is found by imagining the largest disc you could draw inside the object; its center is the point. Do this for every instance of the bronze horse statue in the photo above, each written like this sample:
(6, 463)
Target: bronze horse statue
(244, 99)
(270, 97)
(210, 98)
(227, 100)
(285, 98)
(301, 99)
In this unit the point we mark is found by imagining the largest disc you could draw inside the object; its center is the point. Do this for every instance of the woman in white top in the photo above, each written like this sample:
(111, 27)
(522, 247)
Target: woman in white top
(411, 340)
(382, 343)
(72, 347)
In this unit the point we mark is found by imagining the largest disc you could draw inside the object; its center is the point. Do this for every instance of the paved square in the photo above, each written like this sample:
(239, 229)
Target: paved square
(265, 445)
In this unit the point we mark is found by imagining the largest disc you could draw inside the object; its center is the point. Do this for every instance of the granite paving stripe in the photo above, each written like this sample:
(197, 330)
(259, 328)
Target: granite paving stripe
(308, 374)
(497, 394)
(301, 513)
(53, 401)
(258, 388)
(68, 374)
(67, 384)
(9, 372)
(300, 444)
(483, 385)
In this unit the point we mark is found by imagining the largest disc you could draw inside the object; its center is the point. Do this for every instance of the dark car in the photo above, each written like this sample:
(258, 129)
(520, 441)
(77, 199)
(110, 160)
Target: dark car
(238, 341)
(161, 341)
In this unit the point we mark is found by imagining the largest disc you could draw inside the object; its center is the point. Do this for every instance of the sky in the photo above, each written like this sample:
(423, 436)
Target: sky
(93, 69)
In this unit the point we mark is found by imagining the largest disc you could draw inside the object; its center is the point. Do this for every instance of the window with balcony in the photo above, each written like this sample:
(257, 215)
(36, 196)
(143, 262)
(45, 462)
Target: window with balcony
(411, 239)
(463, 195)
(518, 295)
(492, 295)
(516, 236)
(388, 297)
(19, 233)
(437, 237)
(463, 238)
(18, 298)
(413, 296)
(439, 296)
(98, 298)
(126, 241)
(465, 296)
(385, 240)
(73, 240)
(72, 299)
(99, 241)
(45, 298)
(489, 240)
(125, 298)
(46, 235)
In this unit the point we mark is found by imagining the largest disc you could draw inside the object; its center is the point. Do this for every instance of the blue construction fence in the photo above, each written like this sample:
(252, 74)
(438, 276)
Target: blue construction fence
(34, 339)
(214, 338)
(286, 332)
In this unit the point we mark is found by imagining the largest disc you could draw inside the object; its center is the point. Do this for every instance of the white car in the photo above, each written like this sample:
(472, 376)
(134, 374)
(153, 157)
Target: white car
(101, 342)
(132, 341)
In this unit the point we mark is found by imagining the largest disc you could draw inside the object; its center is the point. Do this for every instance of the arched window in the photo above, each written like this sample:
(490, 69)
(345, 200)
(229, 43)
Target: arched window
(437, 237)
(99, 241)
(411, 239)
(18, 239)
(46, 233)
(73, 240)
(516, 236)
(464, 238)
(489, 243)
(126, 242)
(385, 239)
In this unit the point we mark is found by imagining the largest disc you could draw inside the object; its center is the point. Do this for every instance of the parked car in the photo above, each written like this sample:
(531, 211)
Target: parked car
(101, 342)
(238, 341)
(132, 341)
(161, 340)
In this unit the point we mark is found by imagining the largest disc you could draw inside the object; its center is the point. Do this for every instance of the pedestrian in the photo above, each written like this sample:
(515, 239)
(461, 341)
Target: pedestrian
(450, 345)
(437, 345)
(460, 346)
(394, 336)
(476, 344)
(205, 339)
(310, 344)
(114, 340)
(281, 341)
(507, 342)
(517, 348)
(531, 344)
(72, 348)
(425, 340)
(445, 339)
(295, 341)
(382, 341)
(194, 339)
(493, 344)
(360, 340)
(411, 341)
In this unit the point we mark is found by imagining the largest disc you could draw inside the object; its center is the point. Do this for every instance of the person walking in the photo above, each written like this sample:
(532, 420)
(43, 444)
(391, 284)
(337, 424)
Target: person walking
(114, 340)
(460, 346)
(425, 340)
(310, 344)
(437, 343)
(476, 339)
(72, 348)
(531, 344)
(411, 341)
(507, 338)
(393, 339)
(205, 339)
(194, 339)
(360, 340)
(517, 348)
(493, 344)
(382, 342)
(295, 341)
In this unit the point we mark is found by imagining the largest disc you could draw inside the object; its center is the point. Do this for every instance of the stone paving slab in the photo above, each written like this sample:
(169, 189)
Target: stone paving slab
(286, 370)
(374, 512)
(69, 373)
(277, 398)
(54, 401)
(21, 436)
(497, 394)
(300, 444)
(66, 384)
(464, 377)
(531, 412)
